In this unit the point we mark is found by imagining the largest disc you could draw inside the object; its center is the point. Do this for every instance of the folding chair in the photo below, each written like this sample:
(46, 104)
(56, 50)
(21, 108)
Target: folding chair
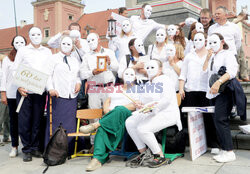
(84, 114)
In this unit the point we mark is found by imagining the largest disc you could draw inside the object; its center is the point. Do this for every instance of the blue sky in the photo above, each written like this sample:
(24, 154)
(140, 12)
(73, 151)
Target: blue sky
(24, 9)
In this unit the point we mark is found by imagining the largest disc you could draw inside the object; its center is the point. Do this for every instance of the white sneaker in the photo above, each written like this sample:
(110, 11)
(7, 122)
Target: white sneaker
(227, 156)
(219, 154)
(13, 152)
(215, 151)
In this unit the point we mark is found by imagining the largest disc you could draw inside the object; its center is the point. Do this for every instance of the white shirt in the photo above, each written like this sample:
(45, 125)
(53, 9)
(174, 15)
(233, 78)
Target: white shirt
(223, 58)
(63, 77)
(141, 28)
(54, 42)
(230, 32)
(170, 72)
(90, 64)
(192, 73)
(189, 47)
(156, 54)
(7, 78)
(121, 44)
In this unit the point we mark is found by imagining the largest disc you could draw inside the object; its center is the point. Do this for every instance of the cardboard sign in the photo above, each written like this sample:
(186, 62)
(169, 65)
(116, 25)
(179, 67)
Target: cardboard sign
(119, 19)
(30, 79)
(144, 59)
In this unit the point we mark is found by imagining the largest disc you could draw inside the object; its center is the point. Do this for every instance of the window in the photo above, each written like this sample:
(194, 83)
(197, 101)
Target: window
(71, 17)
(46, 32)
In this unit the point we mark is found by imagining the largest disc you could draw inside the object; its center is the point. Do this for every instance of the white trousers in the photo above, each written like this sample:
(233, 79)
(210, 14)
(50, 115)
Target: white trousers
(141, 127)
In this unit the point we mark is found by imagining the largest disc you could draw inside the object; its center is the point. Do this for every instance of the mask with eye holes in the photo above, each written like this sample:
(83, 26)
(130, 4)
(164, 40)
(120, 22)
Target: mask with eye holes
(152, 68)
(35, 36)
(214, 42)
(172, 30)
(126, 26)
(66, 45)
(75, 34)
(92, 41)
(199, 41)
(19, 42)
(199, 27)
(147, 11)
(139, 46)
(160, 35)
(129, 75)
(170, 50)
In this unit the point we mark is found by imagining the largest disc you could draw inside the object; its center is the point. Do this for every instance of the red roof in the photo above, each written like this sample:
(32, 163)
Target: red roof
(7, 35)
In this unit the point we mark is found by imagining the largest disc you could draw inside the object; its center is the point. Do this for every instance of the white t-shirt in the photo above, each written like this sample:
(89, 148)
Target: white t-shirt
(156, 54)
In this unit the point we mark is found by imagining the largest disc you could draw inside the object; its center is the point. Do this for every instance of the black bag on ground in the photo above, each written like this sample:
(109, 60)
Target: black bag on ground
(175, 140)
(56, 151)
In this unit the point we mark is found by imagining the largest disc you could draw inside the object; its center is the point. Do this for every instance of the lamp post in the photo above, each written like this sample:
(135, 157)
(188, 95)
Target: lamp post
(15, 16)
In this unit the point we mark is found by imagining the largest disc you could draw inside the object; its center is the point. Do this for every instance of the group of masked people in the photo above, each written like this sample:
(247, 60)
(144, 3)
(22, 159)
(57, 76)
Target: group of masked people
(173, 65)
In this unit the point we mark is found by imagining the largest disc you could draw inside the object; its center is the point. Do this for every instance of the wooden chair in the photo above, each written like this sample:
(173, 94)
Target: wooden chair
(84, 114)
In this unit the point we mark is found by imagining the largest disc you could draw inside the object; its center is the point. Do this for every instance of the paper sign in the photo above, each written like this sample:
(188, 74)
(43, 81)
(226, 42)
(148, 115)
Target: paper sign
(119, 19)
(144, 59)
(30, 79)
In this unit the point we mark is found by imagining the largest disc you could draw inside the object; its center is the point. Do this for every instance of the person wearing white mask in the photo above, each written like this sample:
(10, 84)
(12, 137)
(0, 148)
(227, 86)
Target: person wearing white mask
(120, 43)
(193, 86)
(63, 86)
(137, 49)
(35, 56)
(142, 25)
(111, 128)
(97, 80)
(80, 45)
(158, 50)
(8, 92)
(175, 35)
(219, 56)
(141, 126)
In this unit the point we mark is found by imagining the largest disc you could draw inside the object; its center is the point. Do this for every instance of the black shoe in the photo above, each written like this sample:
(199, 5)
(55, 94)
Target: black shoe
(36, 154)
(27, 157)
(157, 161)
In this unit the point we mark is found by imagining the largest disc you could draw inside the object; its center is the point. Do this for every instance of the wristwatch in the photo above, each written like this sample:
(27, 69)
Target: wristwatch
(220, 81)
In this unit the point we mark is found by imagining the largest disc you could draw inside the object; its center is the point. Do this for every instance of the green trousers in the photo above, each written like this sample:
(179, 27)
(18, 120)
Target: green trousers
(110, 133)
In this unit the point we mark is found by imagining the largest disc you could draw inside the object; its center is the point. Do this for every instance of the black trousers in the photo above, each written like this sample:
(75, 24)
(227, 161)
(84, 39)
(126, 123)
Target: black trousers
(198, 98)
(30, 116)
(13, 122)
(223, 107)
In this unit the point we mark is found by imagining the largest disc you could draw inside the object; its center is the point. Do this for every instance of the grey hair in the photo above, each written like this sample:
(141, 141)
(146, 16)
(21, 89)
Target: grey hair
(223, 8)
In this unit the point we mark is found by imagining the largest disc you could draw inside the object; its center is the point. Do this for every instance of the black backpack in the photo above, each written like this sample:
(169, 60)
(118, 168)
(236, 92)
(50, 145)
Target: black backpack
(56, 151)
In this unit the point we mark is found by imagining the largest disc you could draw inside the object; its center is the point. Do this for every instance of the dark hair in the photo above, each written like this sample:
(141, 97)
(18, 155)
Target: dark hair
(131, 43)
(74, 24)
(13, 52)
(144, 5)
(225, 45)
(206, 10)
(121, 10)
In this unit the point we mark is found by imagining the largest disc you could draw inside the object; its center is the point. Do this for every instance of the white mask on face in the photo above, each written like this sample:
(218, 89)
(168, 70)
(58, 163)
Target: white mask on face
(75, 34)
(92, 41)
(19, 42)
(129, 75)
(126, 26)
(172, 30)
(199, 41)
(66, 45)
(160, 35)
(139, 46)
(170, 50)
(147, 11)
(214, 42)
(35, 36)
(199, 27)
(152, 68)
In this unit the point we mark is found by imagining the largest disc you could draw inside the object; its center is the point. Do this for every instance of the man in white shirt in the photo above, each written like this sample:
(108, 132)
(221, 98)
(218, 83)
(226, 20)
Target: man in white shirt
(81, 45)
(228, 30)
(35, 56)
(97, 80)
(142, 25)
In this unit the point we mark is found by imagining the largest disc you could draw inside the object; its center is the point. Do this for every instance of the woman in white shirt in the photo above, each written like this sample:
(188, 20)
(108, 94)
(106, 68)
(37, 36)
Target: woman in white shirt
(193, 85)
(172, 67)
(8, 92)
(223, 101)
(63, 85)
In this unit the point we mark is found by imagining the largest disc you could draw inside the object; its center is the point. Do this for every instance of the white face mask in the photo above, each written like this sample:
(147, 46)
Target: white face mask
(92, 41)
(214, 42)
(147, 11)
(139, 46)
(128, 75)
(66, 45)
(199, 41)
(75, 34)
(199, 27)
(35, 36)
(170, 50)
(172, 30)
(126, 26)
(152, 68)
(160, 35)
(19, 42)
